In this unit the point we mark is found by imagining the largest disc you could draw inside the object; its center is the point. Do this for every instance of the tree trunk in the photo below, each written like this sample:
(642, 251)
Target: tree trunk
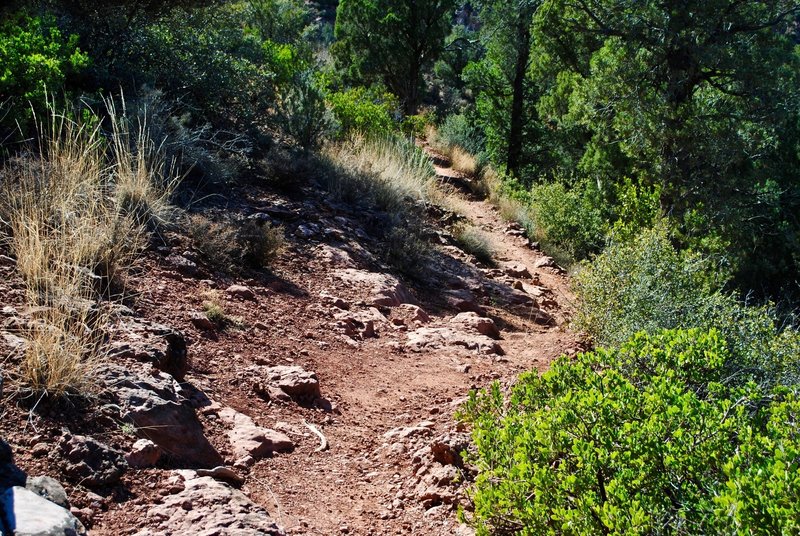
(518, 100)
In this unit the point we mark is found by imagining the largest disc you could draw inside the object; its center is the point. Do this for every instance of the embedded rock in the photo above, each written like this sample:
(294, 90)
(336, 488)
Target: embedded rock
(241, 292)
(206, 506)
(517, 270)
(478, 324)
(463, 301)
(385, 290)
(249, 439)
(48, 488)
(91, 462)
(294, 381)
(436, 338)
(144, 453)
(162, 346)
(160, 414)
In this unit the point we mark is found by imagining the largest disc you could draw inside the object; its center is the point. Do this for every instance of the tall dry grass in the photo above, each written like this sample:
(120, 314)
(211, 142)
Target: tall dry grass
(77, 211)
(388, 171)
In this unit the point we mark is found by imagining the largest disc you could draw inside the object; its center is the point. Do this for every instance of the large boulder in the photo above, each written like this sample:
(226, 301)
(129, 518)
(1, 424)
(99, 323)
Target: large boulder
(153, 406)
(24, 513)
(207, 506)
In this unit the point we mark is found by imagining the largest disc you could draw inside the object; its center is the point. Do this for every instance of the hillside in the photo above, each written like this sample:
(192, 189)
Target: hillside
(376, 364)
(399, 267)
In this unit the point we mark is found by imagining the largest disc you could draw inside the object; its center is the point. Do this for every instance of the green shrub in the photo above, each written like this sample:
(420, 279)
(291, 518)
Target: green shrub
(260, 244)
(369, 111)
(647, 285)
(457, 129)
(302, 111)
(569, 219)
(35, 58)
(647, 439)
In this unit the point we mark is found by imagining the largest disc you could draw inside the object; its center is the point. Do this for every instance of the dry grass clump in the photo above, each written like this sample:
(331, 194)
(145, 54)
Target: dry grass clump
(228, 246)
(215, 312)
(74, 231)
(390, 172)
(462, 161)
(475, 242)
(143, 180)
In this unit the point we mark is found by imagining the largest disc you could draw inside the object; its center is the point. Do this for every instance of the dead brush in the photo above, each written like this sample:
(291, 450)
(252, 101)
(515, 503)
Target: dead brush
(390, 172)
(63, 346)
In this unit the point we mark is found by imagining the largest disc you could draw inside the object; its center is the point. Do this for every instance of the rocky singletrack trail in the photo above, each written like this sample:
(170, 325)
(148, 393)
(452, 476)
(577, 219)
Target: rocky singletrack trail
(328, 345)
(383, 473)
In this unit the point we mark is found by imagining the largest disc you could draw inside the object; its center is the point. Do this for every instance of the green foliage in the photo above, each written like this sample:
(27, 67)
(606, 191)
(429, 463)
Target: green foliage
(367, 111)
(457, 129)
(35, 58)
(640, 285)
(279, 21)
(697, 102)
(570, 220)
(302, 110)
(652, 438)
(230, 75)
(647, 285)
(391, 42)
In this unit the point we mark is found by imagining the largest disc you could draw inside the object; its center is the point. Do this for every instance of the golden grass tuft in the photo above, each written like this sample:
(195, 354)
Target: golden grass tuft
(390, 171)
(74, 239)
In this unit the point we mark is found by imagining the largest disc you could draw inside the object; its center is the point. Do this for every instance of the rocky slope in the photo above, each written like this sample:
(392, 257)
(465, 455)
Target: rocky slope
(326, 408)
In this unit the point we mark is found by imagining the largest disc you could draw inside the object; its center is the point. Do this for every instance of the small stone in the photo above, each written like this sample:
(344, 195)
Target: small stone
(144, 453)
(242, 292)
(40, 449)
(201, 321)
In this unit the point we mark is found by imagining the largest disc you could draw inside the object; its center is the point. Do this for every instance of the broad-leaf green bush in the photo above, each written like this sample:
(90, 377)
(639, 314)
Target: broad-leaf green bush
(35, 58)
(651, 438)
(368, 111)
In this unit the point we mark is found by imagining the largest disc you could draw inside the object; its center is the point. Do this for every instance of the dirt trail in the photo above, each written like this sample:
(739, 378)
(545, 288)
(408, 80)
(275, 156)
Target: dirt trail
(366, 484)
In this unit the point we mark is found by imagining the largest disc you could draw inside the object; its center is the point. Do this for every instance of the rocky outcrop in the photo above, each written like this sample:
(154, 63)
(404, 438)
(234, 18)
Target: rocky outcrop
(152, 404)
(162, 346)
(206, 506)
(91, 462)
